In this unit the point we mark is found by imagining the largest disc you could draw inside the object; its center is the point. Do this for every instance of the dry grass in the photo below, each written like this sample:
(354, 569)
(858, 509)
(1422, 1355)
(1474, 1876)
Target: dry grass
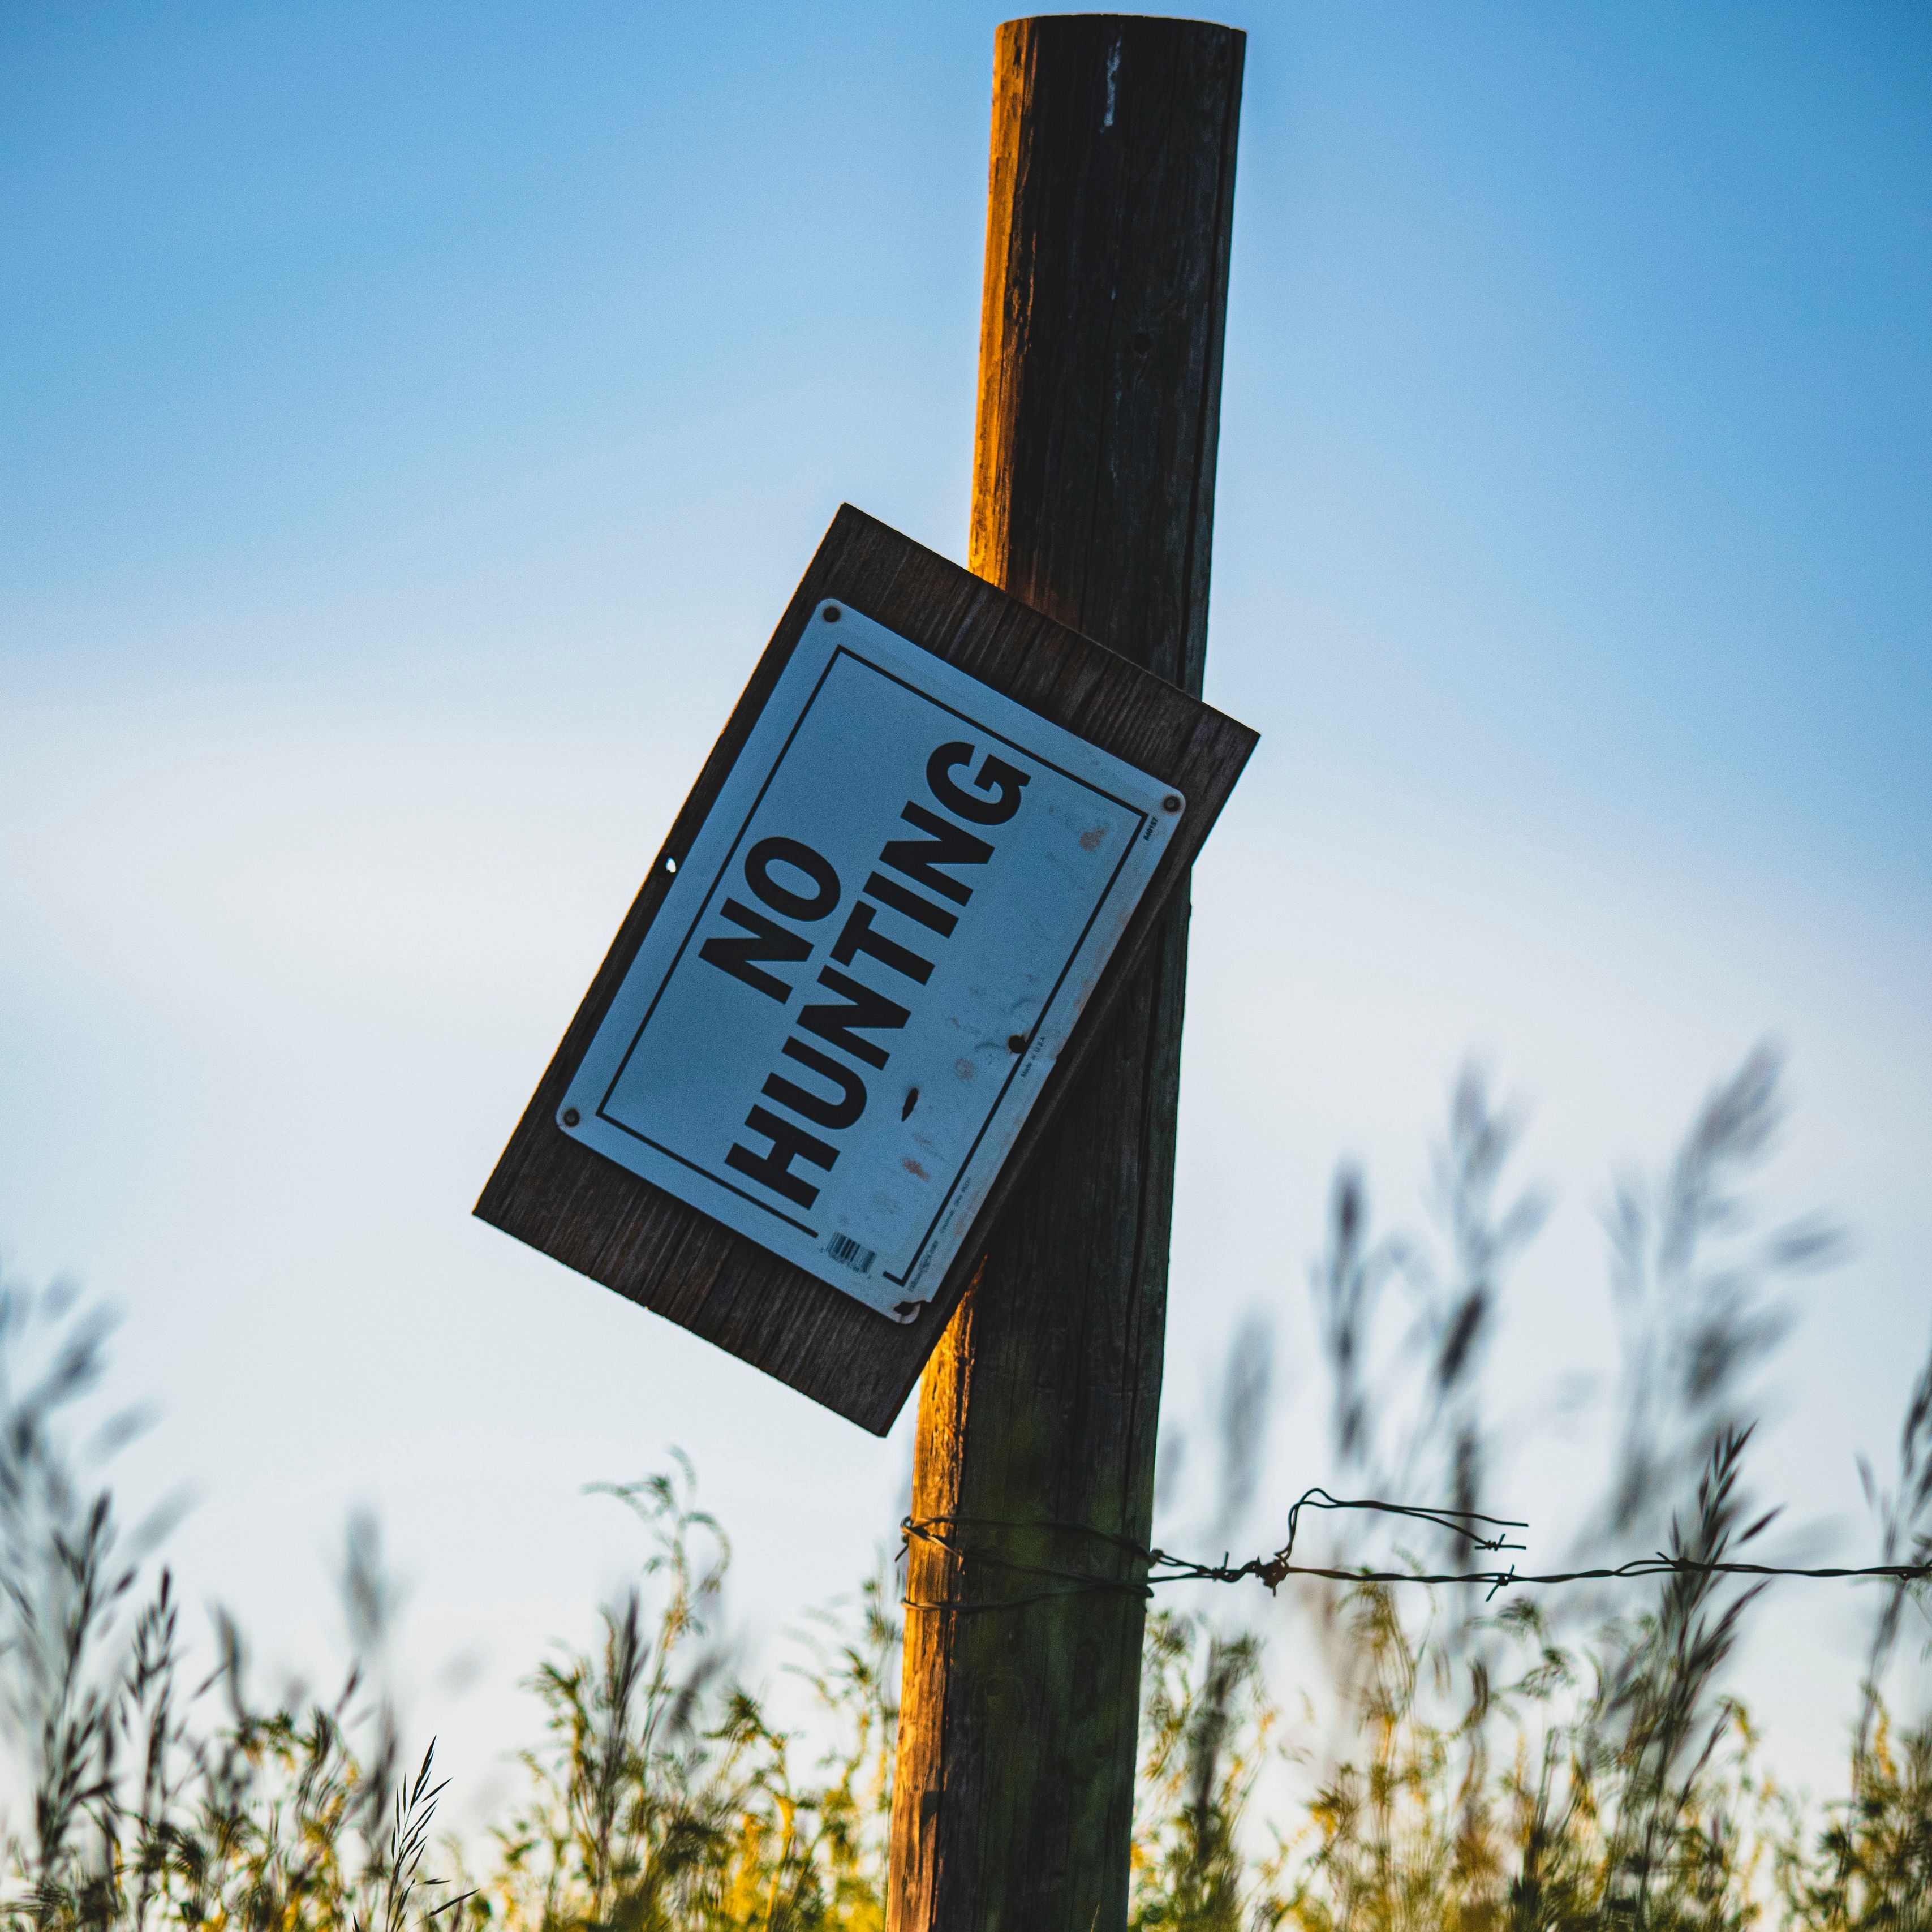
(1508, 1767)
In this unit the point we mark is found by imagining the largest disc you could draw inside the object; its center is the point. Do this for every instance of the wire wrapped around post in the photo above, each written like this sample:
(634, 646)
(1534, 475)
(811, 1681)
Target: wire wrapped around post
(1161, 1566)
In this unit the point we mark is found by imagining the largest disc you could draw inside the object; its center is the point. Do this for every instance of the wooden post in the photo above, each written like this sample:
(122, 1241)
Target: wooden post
(1113, 172)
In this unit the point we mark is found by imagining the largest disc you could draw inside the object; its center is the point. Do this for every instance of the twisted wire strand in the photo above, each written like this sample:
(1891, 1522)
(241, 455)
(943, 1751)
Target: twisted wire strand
(1162, 1566)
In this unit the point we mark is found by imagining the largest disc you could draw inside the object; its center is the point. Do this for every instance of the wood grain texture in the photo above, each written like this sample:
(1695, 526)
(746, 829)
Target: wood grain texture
(610, 1224)
(1108, 233)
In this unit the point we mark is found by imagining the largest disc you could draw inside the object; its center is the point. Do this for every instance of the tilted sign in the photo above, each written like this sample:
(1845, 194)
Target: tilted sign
(930, 842)
(880, 940)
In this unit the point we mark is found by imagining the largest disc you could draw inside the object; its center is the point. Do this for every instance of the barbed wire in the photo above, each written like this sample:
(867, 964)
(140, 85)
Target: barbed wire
(1162, 1566)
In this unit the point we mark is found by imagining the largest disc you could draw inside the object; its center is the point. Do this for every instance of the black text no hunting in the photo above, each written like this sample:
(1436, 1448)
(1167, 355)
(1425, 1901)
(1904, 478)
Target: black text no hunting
(767, 941)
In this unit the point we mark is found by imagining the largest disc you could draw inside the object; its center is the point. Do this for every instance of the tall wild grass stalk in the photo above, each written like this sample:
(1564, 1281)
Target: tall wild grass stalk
(1578, 1763)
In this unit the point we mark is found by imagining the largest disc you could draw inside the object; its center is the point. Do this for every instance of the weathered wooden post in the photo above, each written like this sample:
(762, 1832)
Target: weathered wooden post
(1109, 223)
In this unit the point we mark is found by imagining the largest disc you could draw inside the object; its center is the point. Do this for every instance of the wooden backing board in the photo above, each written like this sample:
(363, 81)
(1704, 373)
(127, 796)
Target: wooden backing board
(611, 1225)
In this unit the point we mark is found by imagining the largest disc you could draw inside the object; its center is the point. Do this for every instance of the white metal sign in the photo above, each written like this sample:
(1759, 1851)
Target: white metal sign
(866, 965)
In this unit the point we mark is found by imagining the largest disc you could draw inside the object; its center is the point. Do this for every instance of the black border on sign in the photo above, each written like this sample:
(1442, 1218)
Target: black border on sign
(841, 649)
(586, 1210)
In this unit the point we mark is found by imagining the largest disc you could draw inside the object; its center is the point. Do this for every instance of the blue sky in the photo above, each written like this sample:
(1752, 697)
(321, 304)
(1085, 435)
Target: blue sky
(414, 420)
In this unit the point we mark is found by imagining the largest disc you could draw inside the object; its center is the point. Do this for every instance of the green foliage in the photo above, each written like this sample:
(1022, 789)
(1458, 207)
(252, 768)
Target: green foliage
(1525, 1768)
(663, 1797)
(1209, 1727)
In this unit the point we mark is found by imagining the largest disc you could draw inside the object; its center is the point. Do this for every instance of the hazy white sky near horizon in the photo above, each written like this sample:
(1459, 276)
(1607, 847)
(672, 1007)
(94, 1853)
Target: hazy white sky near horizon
(414, 420)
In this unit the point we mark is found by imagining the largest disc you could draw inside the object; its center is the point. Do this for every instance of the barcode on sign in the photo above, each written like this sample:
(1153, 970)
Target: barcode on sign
(843, 1248)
